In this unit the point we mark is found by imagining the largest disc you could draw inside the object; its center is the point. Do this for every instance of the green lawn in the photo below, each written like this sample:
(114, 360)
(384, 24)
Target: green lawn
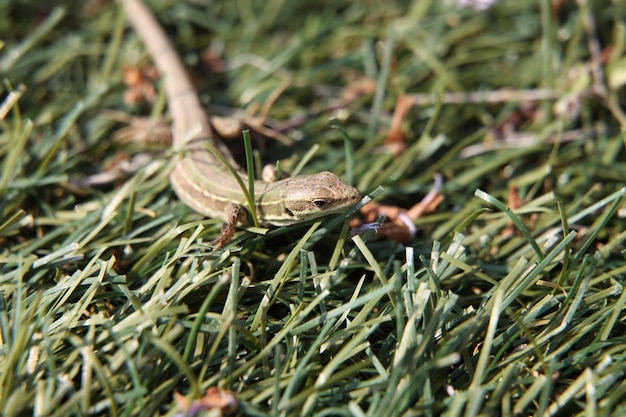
(509, 302)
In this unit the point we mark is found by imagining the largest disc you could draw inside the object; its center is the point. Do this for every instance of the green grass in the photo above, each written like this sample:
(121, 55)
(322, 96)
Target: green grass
(110, 299)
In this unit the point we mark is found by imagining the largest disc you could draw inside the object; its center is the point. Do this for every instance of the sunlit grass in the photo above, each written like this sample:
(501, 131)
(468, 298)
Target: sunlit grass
(509, 302)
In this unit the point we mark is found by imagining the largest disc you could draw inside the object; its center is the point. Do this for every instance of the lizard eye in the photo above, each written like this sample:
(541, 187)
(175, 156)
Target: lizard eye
(320, 204)
(289, 212)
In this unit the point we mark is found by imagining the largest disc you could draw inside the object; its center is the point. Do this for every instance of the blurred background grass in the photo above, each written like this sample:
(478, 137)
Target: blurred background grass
(508, 302)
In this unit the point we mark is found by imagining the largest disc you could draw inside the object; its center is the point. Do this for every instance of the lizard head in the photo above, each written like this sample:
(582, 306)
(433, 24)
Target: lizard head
(305, 197)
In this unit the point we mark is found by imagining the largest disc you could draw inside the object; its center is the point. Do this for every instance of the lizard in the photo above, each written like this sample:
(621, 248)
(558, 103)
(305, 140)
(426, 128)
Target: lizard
(200, 179)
